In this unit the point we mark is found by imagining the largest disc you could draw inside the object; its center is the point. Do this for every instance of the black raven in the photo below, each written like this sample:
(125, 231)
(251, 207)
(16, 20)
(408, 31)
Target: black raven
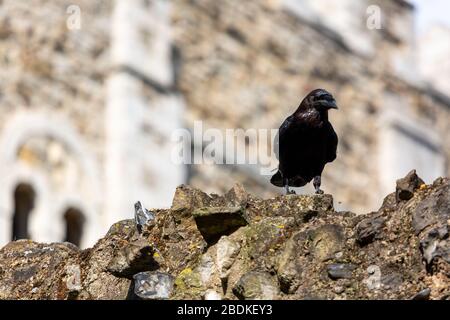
(305, 142)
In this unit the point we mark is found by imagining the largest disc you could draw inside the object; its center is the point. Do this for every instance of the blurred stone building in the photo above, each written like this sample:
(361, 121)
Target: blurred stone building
(91, 92)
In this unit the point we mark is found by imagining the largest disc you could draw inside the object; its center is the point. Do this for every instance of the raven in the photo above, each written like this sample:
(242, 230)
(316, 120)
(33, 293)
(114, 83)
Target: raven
(305, 142)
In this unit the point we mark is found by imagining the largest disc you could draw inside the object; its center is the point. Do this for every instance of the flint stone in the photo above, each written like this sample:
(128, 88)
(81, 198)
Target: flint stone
(432, 210)
(23, 274)
(422, 295)
(338, 289)
(406, 186)
(436, 244)
(369, 229)
(391, 281)
(340, 270)
(373, 282)
(142, 216)
(153, 285)
(73, 280)
(214, 222)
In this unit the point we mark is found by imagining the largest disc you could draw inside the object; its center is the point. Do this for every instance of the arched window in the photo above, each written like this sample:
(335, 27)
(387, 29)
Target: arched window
(74, 219)
(24, 197)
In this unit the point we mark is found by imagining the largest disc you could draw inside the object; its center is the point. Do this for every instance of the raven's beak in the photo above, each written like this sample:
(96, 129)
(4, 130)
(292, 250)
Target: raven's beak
(328, 104)
(331, 104)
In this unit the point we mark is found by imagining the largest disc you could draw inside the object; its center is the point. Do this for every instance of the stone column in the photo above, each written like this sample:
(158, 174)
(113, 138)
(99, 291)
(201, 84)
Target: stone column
(405, 143)
(142, 110)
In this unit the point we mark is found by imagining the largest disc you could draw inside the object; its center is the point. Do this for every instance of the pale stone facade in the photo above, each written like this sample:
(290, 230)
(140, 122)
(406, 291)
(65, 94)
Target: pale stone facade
(52, 115)
(433, 56)
(86, 115)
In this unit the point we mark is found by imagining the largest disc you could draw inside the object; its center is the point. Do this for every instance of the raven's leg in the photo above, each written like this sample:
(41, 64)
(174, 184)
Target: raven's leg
(286, 187)
(316, 183)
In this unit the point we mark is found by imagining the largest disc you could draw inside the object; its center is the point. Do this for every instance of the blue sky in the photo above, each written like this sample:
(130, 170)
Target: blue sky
(429, 12)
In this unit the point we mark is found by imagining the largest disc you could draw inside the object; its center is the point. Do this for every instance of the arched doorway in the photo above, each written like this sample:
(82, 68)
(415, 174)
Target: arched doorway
(24, 199)
(46, 151)
(74, 220)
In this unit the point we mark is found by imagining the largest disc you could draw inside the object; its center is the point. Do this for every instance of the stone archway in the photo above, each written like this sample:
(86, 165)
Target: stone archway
(74, 220)
(46, 151)
(24, 202)
(12, 176)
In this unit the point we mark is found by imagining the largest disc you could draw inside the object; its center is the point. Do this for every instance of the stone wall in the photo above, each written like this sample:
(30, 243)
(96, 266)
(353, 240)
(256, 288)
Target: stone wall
(47, 67)
(238, 246)
(433, 56)
(52, 99)
(81, 106)
(87, 114)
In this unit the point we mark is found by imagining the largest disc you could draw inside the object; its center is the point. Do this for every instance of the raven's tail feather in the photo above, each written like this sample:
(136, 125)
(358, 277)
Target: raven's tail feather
(277, 179)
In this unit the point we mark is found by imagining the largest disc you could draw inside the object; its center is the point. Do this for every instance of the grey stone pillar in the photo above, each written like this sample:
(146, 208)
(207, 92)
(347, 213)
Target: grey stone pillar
(142, 110)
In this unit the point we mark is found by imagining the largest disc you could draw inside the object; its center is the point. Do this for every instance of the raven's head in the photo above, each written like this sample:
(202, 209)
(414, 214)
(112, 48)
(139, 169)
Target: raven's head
(319, 99)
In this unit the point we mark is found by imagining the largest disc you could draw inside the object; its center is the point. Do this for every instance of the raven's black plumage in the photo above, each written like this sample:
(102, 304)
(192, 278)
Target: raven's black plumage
(306, 141)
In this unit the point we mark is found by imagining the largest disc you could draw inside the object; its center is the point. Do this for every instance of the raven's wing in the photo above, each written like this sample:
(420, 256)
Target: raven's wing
(332, 142)
(281, 134)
